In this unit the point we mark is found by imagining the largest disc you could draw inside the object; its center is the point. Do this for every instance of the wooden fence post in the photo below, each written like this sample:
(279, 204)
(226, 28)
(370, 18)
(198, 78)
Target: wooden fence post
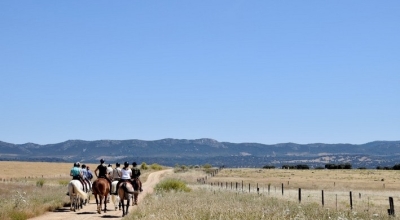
(299, 195)
(391, 205)
(336, 202)
(282, 189)
(351, 201)
(258, 190)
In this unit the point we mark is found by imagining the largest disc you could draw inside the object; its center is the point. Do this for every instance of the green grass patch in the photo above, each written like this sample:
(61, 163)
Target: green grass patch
(172, 185)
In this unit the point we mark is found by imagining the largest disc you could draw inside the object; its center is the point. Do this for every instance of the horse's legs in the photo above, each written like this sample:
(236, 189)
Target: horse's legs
(127, 205)
(98, 203)
(105, 203)
(135, 196)
(123, 205)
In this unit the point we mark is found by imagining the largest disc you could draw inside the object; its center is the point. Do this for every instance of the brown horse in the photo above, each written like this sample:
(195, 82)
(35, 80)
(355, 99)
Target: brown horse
(136, 186)
(125, 191)
(101, 189)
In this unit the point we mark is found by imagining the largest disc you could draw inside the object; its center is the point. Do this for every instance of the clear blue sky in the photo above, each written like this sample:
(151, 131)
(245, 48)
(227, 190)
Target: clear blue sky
(238, 71)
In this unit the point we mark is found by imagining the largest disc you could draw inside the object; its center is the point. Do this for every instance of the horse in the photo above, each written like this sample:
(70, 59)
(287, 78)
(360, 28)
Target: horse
(125, 192)
(101, 189)
(76, 194)
(114, 198)
(136, 186)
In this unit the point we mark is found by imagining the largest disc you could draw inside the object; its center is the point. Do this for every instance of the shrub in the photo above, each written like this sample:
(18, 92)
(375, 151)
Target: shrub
(172, 185)
(207, 166)
(144, 166)
(155, 166)
(40, 183)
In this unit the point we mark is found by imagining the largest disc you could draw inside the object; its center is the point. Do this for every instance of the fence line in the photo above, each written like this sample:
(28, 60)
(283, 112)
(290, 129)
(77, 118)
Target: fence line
(337, 198)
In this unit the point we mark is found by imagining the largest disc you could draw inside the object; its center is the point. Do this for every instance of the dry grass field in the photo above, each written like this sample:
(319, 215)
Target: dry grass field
(218, 198)
(30, 189)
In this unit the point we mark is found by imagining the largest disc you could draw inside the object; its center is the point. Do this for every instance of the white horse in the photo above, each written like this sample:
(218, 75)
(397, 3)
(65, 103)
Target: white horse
(115, 198)
(76, 194)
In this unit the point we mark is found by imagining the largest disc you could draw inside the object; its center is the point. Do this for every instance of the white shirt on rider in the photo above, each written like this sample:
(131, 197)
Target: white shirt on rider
(109, 171)
(126, 174)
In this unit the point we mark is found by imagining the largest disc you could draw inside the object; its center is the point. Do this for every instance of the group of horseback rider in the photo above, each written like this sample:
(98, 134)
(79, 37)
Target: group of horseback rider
(84, 175)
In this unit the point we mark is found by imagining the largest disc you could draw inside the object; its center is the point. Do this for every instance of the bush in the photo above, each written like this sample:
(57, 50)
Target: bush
(172, 185)
(40, 183)
(144, 166)
(207, 166)
(155, 166)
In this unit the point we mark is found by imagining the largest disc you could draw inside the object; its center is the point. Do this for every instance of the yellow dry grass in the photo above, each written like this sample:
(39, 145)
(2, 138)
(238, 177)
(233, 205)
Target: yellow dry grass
(315, 179)
(42, 170)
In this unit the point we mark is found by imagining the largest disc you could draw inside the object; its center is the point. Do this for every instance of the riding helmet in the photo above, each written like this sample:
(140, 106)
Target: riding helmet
(134, 163)
(78, 164)
(83, 165)
(117, 164)
(126, 163)
(101, 160)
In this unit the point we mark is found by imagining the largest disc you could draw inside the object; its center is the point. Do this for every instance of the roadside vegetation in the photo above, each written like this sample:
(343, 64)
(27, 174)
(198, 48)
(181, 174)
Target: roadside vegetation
(217, 200)
(206, 192)
(38, 189)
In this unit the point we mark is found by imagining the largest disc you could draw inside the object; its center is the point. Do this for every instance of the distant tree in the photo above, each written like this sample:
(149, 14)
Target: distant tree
(347, 166)
(268, 167)
(396, 167)
(330, 166)
(302, 167)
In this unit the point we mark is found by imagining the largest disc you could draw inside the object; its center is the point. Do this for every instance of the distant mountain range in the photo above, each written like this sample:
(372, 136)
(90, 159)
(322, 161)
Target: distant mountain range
(170, 152)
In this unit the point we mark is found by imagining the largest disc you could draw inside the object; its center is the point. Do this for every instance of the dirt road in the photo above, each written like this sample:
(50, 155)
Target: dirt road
(89, 212)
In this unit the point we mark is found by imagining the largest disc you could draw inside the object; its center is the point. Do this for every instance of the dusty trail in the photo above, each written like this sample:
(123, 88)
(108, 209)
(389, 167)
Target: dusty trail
(89, 211)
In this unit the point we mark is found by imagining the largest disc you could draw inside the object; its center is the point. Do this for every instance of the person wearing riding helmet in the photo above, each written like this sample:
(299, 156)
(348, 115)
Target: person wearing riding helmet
(110, 171)
(117, 172)
(126, 175)
(85, 176)
(76, 174)
(102, 168)
(136, 174)
(89, 173)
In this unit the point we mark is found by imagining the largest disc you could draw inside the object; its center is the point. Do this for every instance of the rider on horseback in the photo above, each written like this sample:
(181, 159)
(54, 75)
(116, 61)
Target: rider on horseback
(117, 173)
(102, 168)
(125, 177)
(85, 176)
(76, 174)
(136, 175)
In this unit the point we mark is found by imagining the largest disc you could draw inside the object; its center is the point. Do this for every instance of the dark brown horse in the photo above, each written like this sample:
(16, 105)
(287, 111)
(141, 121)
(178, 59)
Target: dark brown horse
(101, 189)
(136, 186)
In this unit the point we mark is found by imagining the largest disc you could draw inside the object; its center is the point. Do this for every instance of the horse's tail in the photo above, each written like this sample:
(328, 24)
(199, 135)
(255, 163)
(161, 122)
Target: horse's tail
(79, 191)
